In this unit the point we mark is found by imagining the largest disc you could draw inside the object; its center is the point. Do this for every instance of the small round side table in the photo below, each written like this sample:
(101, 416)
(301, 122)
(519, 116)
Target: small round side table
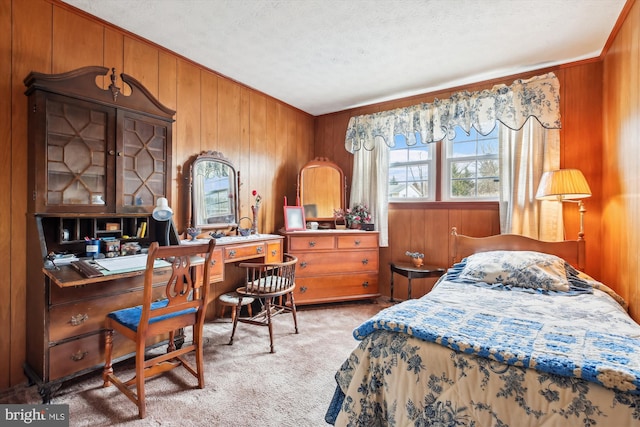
(410, 271)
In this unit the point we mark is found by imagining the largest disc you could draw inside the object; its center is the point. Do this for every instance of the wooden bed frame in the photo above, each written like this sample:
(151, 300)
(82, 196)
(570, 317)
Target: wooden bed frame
(573, 251)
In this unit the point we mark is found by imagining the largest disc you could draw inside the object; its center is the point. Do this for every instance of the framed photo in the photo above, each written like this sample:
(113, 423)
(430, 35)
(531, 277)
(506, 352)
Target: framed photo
(294, 218)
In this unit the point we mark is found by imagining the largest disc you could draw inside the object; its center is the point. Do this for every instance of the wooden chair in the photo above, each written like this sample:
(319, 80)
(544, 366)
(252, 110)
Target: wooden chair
(273, 285)
(184, 305)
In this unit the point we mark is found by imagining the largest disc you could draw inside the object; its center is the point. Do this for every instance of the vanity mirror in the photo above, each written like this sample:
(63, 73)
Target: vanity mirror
(321, 188)
(213, 184)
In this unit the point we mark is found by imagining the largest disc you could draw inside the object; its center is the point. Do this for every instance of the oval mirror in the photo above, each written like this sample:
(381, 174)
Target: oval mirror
(214, 192)
(321, 189)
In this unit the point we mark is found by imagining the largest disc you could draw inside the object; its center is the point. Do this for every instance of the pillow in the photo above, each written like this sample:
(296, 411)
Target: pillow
(524, 269)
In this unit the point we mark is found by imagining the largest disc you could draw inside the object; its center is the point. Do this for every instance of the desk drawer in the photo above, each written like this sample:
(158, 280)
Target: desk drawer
(304, 243)
(311, 264)
(216, 271)
(74, 356)
(242, 252)
(87, 316)
(274, 251)
(88, 352)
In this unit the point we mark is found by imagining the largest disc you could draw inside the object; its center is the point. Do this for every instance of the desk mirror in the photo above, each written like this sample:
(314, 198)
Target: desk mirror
(214, 192)
(321, 188)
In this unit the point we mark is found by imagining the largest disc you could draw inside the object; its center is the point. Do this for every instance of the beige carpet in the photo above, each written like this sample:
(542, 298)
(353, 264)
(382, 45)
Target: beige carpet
(245, 384)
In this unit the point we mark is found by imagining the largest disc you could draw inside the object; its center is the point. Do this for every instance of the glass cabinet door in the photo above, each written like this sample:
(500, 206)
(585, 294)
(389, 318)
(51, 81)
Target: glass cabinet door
(77, 152)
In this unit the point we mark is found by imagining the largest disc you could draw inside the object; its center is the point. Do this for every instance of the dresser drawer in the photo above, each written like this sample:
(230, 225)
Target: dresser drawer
(358, 241)
(314, 242)
(242, 252)
(339, 287)
(313, 263)
(87, 316)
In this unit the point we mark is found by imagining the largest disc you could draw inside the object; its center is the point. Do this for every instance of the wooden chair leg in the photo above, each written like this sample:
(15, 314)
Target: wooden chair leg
(293, 311)
(235, 314)
(108, 351)
(197, 340)
(142, 407)
(268, 302)
(172, 342)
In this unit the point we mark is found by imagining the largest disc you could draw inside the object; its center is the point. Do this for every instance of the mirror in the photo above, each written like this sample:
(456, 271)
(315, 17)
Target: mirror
(321, 189)
(214, 192)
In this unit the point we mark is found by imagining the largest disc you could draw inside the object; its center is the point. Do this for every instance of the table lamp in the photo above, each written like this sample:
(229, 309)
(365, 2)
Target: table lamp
(565, 185)
(162, 212)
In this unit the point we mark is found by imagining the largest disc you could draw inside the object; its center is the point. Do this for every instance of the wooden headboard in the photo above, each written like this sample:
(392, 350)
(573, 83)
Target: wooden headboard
(573, 251)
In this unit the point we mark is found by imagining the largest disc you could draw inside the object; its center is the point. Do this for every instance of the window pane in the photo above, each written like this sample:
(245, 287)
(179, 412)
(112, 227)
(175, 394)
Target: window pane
(488, 168)
(463, 149)
(409, 169)
(471, 166)
(463, 188)
(488, 188)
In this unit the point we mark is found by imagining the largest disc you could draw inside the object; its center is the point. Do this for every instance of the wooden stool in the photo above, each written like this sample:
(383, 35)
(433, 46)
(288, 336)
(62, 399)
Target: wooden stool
(231, 299)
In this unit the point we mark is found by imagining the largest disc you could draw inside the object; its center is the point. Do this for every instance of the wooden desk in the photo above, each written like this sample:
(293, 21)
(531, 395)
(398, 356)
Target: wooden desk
(410, 271)
(67, 312)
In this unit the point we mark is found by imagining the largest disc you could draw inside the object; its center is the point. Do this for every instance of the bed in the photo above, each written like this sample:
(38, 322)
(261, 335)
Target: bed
(514, 334)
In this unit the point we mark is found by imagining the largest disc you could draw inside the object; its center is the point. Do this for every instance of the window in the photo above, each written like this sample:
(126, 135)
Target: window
(411, 170)
(469, 168)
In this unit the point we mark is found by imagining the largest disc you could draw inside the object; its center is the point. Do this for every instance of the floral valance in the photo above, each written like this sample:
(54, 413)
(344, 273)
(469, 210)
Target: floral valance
(512, 106)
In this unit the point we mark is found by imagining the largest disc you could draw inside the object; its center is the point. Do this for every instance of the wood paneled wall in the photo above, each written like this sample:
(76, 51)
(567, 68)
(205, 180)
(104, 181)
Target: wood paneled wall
(621, 160)
(426, 227)
(267, 140)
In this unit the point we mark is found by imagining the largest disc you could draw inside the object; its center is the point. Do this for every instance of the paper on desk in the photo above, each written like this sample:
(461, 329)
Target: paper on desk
(127, 263)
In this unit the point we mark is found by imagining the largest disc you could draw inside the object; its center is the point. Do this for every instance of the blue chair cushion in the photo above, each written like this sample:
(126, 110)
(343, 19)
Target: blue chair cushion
(130, 317)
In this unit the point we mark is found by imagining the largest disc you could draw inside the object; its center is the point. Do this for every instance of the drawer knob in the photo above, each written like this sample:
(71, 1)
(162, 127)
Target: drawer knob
(259, 249)
(312, 243)
(303, 264)
(79, 355)
(365, 284)
(213, 261)
(357, 242)
(78, 319)
(303, 289)
(365, 261)
(274, 252)
(232, 253)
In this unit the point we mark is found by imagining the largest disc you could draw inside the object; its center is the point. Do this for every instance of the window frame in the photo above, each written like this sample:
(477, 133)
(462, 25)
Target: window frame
(440, 167)
(433, 182)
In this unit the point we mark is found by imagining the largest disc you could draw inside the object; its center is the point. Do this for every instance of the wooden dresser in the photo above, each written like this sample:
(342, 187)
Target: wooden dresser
(334, 265)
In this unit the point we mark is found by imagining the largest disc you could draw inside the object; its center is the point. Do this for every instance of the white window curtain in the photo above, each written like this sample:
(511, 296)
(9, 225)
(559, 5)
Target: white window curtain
(512, 106)
(371, 173)
(525, 154)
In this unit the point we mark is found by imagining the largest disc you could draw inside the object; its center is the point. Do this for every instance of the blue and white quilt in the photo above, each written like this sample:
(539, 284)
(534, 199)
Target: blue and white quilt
(461, 354)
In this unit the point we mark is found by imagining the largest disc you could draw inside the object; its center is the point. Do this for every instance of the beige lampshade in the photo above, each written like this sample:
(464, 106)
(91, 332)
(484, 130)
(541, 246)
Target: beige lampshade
(563, 184)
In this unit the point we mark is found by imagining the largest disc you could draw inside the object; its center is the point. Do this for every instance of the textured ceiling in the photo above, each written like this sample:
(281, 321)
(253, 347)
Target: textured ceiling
(323, 56)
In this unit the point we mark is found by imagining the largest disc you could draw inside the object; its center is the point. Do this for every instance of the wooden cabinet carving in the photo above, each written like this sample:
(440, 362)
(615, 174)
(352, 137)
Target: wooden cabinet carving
(334, 265)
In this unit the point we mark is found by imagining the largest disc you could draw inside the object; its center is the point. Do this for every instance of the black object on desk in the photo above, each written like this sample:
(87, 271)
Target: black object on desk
(410, 271)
